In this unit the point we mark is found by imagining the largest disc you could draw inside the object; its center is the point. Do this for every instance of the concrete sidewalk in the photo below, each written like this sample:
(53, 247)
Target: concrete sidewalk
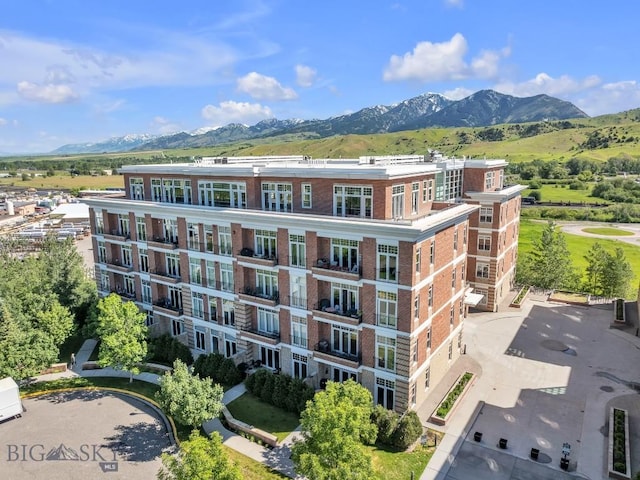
(276, 458)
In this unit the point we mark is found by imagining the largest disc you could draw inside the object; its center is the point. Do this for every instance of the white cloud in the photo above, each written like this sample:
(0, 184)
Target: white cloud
(236, 112)
(262, 87)
(543, 83)
(164, 126)
(305, 76)
(3, 122)
(48, 93)
(610, 98)
(458, 93)
(444, 61)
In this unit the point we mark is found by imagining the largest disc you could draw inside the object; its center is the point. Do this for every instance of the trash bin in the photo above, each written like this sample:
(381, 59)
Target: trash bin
(502, 443)
(564, 463)
(534, 453)
(477, 436)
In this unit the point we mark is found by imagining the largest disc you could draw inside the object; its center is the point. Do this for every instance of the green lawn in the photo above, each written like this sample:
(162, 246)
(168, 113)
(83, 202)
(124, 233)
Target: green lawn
(250, 469)
(264, 416)
(579, 246)
(608, 231)
(70, 345)
(392, 465)
(66, 181)
(143, 388)
(562, 193)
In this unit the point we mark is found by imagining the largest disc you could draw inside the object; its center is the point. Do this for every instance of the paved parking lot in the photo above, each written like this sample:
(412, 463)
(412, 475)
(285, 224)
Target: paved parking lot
(83, 435)
(547, 375)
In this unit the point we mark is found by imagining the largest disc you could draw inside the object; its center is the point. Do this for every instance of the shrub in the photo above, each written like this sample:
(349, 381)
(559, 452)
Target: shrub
(165, 349)
(536, 194)
(534, 185)
(258, 381)
(386, 421)
(218, 368)
(408, 430)
(266, 395)
(280, 391)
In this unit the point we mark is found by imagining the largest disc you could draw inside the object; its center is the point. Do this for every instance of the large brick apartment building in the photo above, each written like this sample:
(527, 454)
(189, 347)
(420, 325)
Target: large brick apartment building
(322, 269)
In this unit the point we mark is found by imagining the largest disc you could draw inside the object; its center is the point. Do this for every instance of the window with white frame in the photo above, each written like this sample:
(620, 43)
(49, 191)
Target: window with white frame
(224, 240)
(126, 255)
(418, 260)
(427, 377)
(208, 239)
(452, 315)
(386, 353)
(172, 264)
(266, 283)
(223, 194)
(175, 297)
(352, 201)
(176, 190)
(415, 193)
(195, 271)
(141, 229)
(213, 308)
(306, 195)
(99, 222)
(177, 327)
(416, 307)
(428, 340)
(387, 307)
(450, 350)
(270, 357)
(200, 338)
(455, 239)
(430, 296)
(298, 331)
(385, 392)
(145, 286)
(414, 350)
(397, 201)
(489, 178)
(266, 241)
(149, 319)
(297, 250)
(104, 281)
(170, 228)
(299, 367)
(432, 251)
(345, 298)
(344, 340)
(500, 179)
(226, 277)
(193, 236)
(143, 260)
(268, 321)
(230, 345)
(277, 197)
(136, 188)
(156, 190)
(425, 186)
(484, 243)
(412, 394)
(482, 270)
(388, 263)
(486, 214)
(211, 273)
(102, 252)
(298, 290)
(197, 304)
(430, 192)
(345, 254)
(129, 284)
(228, 312)
(124, 226)
(453, 277)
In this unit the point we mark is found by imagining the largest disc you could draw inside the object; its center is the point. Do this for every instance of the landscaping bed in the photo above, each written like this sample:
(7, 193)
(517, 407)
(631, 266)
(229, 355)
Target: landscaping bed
(571, 298)
(618, 310)
(451, 399)
(519, 299)
(619, 459)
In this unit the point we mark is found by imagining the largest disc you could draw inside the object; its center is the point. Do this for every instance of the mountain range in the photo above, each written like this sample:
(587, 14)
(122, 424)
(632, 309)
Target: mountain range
(481, 109)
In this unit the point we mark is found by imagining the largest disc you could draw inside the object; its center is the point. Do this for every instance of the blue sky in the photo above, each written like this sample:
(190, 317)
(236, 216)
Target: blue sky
(76, 71)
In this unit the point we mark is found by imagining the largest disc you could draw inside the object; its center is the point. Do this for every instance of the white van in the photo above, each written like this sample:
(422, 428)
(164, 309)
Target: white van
(10, 403)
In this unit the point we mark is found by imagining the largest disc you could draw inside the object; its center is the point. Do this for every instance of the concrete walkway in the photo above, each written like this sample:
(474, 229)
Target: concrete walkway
(276, 458)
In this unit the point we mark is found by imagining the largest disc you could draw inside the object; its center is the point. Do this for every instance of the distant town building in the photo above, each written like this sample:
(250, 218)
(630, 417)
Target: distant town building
(322, 269)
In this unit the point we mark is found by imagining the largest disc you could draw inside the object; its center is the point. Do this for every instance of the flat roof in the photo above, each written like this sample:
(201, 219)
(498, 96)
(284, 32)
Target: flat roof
(72, 210)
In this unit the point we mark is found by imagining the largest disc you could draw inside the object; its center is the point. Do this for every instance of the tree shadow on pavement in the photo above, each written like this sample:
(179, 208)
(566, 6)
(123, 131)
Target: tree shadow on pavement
(139, 442)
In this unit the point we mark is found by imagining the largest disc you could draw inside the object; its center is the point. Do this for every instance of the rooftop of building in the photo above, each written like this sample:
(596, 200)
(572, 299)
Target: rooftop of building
(368, 166)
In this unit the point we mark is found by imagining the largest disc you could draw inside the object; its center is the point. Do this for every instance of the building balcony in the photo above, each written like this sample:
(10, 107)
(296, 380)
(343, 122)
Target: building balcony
(165, 306)
(323, 351)
(324, 267)
(162, 243)
(118, 266)
(118, 235)
(298, 301)
(123, 293)
(220, 286)
(164, 276)
(250, 333)
(323, 309)
(248, 255)
(298, 341)
(268, 298)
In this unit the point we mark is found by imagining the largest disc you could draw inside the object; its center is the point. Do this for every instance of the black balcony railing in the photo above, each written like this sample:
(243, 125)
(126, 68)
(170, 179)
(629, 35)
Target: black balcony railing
(168, 304)
(267, 294)
(164, 273)
(324, 346)
(166, 241)
(354, 269)
(324, 305)
(119, 233)
(298, 301)
(262, 333)
(124, 293)
(221, 286)
(248, 252)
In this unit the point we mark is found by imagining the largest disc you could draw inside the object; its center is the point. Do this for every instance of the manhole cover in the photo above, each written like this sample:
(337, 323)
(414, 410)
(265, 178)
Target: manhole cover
(554, 345)
(606, 388)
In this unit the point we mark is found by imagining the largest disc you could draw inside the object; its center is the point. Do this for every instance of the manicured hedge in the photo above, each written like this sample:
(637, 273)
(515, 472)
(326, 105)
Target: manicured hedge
(281, 390)
(218, 368)
(395, 430)
(165, 350)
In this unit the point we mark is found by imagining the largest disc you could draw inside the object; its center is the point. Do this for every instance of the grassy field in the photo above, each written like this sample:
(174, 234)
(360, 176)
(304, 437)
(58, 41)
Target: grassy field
(66, 182)
(579, 246)
(264, 416)
(250, 469)
(143, 388)
(608, 231)
(390, 465)
(562, 193)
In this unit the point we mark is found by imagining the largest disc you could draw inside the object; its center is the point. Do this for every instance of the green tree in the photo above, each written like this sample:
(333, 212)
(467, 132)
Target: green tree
(122, 333)
(188, 398)
(548, 265)
(335, 425)
(199, 458)
(596, 260)
(616, 275)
